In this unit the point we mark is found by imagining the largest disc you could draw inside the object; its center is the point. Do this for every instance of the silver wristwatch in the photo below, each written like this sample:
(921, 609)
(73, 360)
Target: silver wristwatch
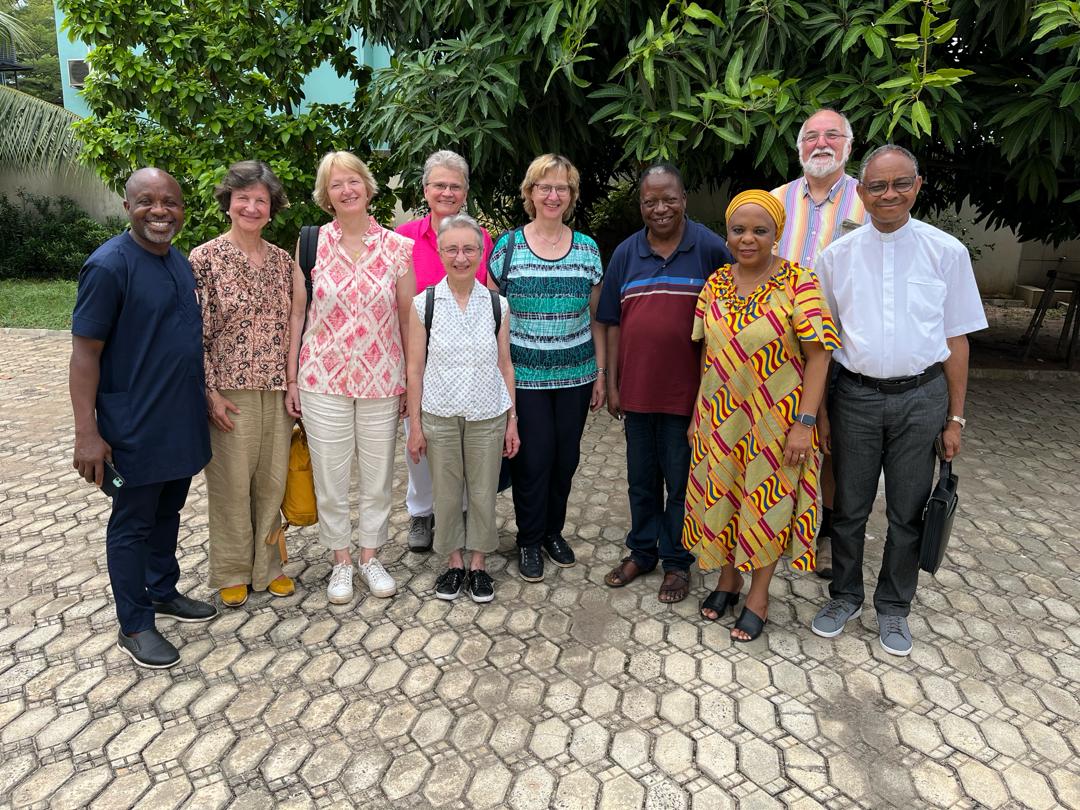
(959, 420)
(806, 419)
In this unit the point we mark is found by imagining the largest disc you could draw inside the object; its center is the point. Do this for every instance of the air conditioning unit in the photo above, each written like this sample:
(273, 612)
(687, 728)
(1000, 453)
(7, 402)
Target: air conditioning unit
(78, 70)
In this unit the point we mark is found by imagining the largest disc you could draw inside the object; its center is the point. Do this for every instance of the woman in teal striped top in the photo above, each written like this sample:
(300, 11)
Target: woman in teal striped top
(551, 277)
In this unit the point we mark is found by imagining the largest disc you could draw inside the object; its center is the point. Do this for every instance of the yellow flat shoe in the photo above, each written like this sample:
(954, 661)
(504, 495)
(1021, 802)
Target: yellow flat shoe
(234, 596)
(282, 586)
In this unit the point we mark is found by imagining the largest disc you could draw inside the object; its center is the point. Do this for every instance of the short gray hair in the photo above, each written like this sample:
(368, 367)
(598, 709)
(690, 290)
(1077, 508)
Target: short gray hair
(848, 131)
(462, 221)
(882, 150)
(445, 159)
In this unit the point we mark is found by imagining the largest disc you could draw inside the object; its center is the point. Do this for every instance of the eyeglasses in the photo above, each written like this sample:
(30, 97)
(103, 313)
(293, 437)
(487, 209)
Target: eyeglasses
(830, 135)
(453, 188)
(470, 251)
(546, 188)
(900, 185)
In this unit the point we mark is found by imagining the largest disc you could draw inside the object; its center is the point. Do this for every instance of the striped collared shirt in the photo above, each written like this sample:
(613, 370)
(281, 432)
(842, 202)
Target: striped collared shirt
(811, 226)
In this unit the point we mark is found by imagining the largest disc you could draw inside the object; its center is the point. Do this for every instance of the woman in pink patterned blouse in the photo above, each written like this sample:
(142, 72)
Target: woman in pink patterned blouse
(245, 286)
(348, 371)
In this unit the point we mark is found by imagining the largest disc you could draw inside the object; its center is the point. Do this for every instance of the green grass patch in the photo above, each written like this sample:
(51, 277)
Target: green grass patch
(37, 304)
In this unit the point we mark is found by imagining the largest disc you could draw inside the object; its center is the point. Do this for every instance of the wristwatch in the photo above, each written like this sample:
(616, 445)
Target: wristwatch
(959, 420)
(806, 419)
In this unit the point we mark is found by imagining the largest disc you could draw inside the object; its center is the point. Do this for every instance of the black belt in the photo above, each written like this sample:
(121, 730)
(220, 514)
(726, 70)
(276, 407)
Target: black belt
(895, 385)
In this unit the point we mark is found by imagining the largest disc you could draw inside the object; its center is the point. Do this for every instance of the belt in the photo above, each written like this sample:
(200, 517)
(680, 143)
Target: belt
(894, 385)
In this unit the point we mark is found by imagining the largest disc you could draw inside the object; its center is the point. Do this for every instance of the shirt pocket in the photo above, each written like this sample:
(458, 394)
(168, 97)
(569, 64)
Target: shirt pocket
(926, 305)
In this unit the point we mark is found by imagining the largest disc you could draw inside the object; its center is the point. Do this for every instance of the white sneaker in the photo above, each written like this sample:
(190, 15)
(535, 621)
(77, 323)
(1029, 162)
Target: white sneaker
(379, 582)
(339, 591)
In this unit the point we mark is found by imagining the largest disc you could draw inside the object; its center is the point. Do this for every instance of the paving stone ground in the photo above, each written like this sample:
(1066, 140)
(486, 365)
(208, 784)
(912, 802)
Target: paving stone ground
(561, 694)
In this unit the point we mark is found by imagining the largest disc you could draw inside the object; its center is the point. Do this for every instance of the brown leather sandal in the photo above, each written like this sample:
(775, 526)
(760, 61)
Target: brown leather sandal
(624, 573)
(675, 587)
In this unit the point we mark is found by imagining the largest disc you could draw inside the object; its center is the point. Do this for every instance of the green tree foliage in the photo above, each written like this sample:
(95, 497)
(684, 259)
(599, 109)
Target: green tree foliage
(37, 48)
(193, 87)
(985, 93)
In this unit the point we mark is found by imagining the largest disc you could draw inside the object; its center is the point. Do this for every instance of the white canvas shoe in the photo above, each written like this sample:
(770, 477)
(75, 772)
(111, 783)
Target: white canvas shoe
(378, 580)
(340, 590)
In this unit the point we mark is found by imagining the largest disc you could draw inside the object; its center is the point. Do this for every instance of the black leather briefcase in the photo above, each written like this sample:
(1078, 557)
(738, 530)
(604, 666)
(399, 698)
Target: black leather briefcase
(938, 519)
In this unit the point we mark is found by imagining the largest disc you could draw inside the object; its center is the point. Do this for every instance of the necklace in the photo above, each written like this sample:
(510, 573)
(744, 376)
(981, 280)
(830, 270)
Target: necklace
(756, 281)
(550, 242)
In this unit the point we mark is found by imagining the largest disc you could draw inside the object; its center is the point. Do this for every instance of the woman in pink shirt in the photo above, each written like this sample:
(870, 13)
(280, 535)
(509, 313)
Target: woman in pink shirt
(446, 187)
(348, 370)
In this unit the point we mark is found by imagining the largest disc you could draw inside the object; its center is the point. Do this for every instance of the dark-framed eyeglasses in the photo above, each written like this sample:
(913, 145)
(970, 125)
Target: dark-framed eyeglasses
(900, 185)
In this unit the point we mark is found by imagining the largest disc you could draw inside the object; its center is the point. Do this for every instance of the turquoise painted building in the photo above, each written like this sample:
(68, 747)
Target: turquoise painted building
(323, 85)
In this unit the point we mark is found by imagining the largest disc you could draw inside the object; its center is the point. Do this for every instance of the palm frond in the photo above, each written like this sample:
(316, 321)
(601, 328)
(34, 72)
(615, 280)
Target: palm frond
(36, 134)
(14, 31)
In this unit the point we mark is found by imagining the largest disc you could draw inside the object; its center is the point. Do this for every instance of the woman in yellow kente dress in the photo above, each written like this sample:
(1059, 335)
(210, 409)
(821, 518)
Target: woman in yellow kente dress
(753, 489)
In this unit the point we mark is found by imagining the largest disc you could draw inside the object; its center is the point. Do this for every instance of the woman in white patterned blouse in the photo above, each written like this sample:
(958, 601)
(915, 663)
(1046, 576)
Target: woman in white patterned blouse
(461, 394)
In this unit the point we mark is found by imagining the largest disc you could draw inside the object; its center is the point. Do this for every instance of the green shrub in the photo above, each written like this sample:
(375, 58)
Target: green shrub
(47, 237)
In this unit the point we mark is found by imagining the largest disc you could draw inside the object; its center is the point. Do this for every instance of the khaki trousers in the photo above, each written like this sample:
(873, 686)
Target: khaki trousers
(464, 455)
(245, 481)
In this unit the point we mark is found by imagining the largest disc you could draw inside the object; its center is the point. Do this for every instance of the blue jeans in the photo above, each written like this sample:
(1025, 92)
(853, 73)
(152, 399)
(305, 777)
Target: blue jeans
(657, 457)
(872, 432)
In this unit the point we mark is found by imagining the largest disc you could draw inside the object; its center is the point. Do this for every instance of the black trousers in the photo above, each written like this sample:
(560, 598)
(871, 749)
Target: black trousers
(140, 546)
(550, 424)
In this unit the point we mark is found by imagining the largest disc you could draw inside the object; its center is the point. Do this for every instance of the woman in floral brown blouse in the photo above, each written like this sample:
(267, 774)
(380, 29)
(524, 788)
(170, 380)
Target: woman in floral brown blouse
(245, 286)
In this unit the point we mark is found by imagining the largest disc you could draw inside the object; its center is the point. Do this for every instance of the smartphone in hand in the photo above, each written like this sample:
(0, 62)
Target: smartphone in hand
(111, 481)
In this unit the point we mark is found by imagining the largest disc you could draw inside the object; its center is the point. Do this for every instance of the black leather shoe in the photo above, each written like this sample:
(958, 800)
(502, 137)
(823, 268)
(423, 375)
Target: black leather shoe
(530, 563)
(184, 609)
(559, 550)
(148, 649)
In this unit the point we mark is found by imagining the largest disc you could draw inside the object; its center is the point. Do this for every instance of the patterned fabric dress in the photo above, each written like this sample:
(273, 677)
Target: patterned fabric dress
(743, 506)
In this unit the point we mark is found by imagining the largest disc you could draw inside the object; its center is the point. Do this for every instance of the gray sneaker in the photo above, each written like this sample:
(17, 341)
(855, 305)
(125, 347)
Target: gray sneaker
(894, 634)
(830, 620)
(421, 532)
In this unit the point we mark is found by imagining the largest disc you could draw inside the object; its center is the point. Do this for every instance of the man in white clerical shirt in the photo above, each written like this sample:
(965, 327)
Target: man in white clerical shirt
(903, 294)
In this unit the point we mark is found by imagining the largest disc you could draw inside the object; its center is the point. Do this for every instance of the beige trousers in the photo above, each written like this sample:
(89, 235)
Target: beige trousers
(464, 455)
(245, 481)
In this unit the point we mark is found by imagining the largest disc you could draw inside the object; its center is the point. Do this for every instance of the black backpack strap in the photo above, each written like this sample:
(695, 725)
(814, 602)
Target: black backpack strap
(309, 247)
(429, 314)
(496, 310)
(508, 256)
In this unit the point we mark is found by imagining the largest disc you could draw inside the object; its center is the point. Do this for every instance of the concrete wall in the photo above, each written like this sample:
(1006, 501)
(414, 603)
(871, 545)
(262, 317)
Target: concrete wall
(78, 184)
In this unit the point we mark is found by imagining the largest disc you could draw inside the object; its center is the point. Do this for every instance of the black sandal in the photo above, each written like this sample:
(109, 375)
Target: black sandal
(749, 623)
(719, 601)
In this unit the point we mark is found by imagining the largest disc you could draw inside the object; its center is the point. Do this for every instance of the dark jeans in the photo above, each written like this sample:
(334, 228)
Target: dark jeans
(550, 423)
(140, 546)
(657, 455)
(872, 431)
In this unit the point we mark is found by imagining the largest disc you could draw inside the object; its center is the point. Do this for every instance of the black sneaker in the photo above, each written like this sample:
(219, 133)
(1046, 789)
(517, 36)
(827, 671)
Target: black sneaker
(559, 550)
(448, 585)
(481, 587)
(421, 532)
(149, 649)
(530, 563)
(184, 609)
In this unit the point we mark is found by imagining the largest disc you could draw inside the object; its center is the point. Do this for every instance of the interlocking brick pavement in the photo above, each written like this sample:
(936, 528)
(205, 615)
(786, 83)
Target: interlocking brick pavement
(560, 694)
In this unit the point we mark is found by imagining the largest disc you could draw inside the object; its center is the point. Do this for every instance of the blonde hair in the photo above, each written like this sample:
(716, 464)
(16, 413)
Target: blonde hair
(541, 166)
(346, 161)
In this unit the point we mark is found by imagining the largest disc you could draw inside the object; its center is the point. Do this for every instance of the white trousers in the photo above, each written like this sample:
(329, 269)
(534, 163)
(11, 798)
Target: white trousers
(338, 430)
(419, 497)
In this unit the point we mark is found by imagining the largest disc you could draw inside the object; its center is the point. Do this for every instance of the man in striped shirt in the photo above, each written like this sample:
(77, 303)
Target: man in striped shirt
(821, 206)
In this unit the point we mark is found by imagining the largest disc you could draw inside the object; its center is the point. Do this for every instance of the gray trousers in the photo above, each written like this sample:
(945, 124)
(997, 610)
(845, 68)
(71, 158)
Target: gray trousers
(870, 432)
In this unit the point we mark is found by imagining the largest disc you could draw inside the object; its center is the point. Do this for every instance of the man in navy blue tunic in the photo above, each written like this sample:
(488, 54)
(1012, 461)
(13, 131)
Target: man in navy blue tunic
(137, 392)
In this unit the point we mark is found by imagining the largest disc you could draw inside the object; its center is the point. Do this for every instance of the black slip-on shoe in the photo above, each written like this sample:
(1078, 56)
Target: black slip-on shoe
(148, 649)
(184, 609)
(530, 563)
(559, 551)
